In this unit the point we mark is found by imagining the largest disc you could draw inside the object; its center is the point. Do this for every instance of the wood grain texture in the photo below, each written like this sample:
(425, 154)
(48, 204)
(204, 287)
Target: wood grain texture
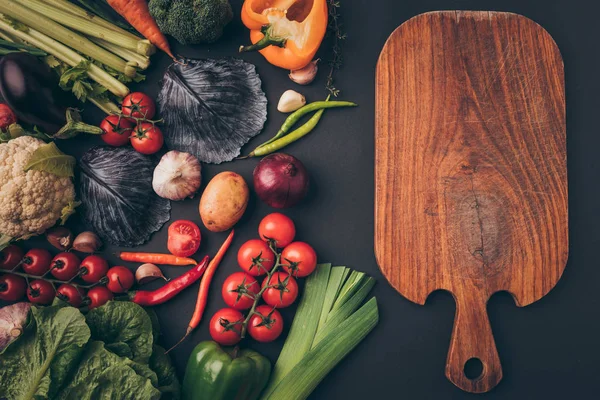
(470, 170)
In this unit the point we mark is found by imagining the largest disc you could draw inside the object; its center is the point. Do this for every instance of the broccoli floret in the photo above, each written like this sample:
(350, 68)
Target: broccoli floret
(192, 21)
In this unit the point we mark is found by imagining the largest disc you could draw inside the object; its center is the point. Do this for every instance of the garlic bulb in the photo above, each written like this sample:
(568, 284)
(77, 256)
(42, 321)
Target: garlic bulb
(177, 176)
(306, 75)
(290, 101)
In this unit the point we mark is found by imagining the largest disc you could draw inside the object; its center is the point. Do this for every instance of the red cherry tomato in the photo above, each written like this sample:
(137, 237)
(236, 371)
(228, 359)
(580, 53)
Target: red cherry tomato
(40, 292)
(10, 257)
(117, 131)
(239, 290)
(138, 105)
(93, 268)
(301, 259)
(36, 262)
(277, 227)
(225, 326)
(98, 296)
(255, 257)
(284, 291)
(147, 138)
(184, 238)
(12, 287)
(70, 294)
(64, 266)
(265, 326)
(120, 279)
(7, 117)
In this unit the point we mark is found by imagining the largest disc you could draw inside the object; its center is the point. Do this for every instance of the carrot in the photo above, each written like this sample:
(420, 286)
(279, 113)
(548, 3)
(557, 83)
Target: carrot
(203, 290)
(137, 14)
(156, 258)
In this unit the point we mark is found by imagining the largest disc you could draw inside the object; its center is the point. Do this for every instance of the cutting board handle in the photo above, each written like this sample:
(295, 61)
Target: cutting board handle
(472, 338)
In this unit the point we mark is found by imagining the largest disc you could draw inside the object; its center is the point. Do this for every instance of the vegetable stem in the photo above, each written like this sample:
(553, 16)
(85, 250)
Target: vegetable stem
(143, 62)
(84, 25)
(107, 106)
(67, 37)
(96, 19)
(66, 55)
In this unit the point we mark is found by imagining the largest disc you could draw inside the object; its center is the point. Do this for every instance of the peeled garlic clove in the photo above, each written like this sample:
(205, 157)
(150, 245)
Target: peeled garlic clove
(177, 176)
(87, 242)
(290, 101)
(306, 75)
(147, 273)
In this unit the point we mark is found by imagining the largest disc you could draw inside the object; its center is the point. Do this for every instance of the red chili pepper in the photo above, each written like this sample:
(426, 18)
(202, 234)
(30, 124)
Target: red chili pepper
(170, 289)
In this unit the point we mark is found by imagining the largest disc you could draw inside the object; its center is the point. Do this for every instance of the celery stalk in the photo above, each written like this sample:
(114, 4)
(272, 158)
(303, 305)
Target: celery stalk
(107, 106)
(66, 55)
(309, 353)
(142, 62)
(66, 5)
(69, 38)
(84, 25)
(299, 383)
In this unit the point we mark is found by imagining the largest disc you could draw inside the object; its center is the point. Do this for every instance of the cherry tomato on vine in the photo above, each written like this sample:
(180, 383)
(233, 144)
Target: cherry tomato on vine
(239, 290)
(120, 279)
(299, 259)
(36, 262)
(255, 257)
(226, 326)
(266, 325)
(117, 130)
(93, 268)
(70, 294)
(40, 292)
(138, 105)
(98, 296)
(184, 238)
(277, 227)
(64, 266)
(12, 287)
(147, 138)
(284, 291)
(10, 257)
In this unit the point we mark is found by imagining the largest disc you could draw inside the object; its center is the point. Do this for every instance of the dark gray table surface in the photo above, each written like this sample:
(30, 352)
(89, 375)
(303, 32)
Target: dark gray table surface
(549, 350)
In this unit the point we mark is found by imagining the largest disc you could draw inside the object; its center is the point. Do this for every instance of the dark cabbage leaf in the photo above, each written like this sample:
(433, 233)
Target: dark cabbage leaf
(115, 188)
(211, 108)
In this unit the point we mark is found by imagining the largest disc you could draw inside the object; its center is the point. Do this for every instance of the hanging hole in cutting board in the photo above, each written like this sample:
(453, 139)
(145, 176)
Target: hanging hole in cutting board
(473, 368)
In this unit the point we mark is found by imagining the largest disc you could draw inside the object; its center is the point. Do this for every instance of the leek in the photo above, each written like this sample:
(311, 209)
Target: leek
(66, 55)
(329, 323)
(67, 37)
(84, 25)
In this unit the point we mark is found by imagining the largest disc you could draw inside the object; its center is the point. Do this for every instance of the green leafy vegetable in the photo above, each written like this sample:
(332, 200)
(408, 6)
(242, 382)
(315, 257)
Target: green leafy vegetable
(329, 324)
(39, 362)
(121, 323)
(104, 375)
(168, 383)
(68, 210)
(50, 159)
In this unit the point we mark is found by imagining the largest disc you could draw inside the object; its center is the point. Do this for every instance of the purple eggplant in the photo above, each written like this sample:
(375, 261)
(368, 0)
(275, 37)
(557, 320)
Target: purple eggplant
(30, 88)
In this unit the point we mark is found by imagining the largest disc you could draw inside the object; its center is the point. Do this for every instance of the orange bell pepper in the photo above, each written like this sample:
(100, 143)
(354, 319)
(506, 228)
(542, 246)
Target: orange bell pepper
(287, 33)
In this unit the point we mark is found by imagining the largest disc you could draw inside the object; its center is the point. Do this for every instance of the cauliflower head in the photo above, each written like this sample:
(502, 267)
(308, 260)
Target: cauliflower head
(192, 21)
(32, 201)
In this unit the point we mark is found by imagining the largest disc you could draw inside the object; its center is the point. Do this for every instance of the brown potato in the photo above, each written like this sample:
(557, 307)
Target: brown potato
(224, 201)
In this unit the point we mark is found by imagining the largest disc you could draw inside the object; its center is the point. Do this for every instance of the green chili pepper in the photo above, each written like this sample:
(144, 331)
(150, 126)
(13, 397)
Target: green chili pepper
(296, 115)
(290, 138)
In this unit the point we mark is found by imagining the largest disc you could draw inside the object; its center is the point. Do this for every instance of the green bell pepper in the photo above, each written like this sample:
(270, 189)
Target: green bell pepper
(217, 373)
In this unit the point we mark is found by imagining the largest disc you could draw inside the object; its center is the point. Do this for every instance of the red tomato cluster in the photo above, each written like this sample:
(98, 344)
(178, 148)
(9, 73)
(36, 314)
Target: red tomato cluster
(278, 289)
(144, 136)
(51, 277)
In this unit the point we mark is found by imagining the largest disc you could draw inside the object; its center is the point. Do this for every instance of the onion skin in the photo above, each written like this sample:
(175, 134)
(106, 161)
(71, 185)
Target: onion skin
(281, 180)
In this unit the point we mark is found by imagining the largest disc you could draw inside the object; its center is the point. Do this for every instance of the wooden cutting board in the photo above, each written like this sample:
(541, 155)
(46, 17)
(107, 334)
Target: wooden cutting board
(470, 170)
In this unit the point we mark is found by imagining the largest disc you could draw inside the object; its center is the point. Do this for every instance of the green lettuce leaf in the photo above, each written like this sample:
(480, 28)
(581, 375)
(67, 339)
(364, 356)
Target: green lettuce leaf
(39, 362)
(104, 375)
(125, 328)
(50, 159)
(168, 384)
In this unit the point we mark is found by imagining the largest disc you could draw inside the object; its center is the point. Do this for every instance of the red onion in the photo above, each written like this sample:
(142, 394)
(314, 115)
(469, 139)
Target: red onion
(280, 180)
